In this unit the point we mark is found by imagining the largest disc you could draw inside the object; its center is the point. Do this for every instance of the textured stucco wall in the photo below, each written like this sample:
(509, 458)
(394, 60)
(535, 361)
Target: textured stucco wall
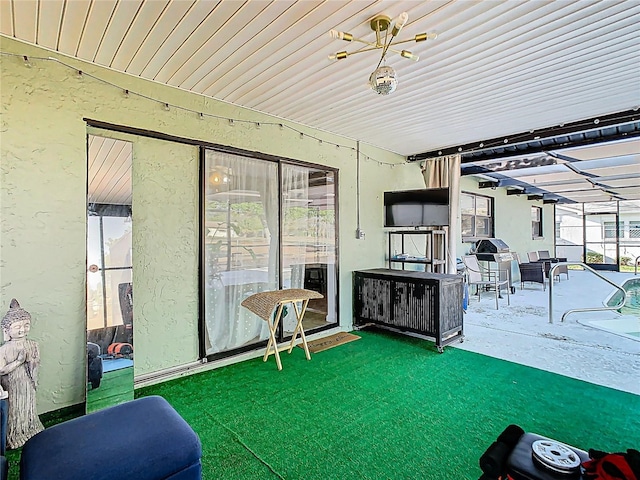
(43, 218)
(165, 234)
(43, 206)
(513, 220)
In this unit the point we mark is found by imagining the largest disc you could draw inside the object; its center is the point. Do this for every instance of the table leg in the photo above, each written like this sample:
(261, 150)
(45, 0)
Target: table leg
(299, 317)
(272, 338)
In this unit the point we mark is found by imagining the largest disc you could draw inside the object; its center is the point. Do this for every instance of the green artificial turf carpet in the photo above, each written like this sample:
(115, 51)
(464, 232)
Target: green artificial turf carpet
(387, 406)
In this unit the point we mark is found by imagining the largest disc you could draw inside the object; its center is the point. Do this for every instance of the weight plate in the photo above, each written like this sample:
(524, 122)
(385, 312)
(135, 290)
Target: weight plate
(555, 456)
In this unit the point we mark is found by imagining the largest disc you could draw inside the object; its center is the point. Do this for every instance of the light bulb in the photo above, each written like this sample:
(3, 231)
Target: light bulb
(409, 55)
(347, 37)
(400, 22)
(338, 56)
(421, 37)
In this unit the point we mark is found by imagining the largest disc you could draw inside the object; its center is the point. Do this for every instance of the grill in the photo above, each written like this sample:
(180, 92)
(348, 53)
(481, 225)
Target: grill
(496, 251)
(493, 250)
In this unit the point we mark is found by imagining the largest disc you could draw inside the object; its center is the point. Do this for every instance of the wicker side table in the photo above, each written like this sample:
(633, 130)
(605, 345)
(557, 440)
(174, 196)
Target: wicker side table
(263, 304)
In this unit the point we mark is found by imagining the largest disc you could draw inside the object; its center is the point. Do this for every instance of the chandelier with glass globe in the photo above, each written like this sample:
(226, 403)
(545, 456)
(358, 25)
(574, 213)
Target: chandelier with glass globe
(383, 80)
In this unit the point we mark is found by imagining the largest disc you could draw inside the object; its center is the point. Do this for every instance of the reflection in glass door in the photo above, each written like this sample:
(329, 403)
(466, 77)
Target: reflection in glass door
(109, 274)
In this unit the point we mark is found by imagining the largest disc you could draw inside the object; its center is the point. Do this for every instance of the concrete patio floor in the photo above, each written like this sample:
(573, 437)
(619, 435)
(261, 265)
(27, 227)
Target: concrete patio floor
(521, 332)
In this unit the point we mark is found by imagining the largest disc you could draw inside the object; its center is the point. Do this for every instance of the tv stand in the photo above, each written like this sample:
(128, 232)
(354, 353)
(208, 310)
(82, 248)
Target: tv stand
(434, 257)
(426, 304)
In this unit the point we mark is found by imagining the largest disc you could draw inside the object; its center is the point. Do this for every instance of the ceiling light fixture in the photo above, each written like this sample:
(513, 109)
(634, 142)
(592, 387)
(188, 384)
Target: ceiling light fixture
(384, 79)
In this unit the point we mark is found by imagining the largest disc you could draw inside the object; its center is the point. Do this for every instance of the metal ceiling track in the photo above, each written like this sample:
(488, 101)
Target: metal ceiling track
(605, 128)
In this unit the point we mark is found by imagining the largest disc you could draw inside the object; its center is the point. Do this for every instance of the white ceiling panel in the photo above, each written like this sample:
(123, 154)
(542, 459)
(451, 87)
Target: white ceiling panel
(633, 169)
(236, 49)
(613, 149)
(25, 20)
(73, 23)
(95, 25)
(176, 35)
(6, 18)
(576, 184)
(123, 19)
(148, 15)
(48, 32)
(157, 35)
(497, 68)
(242, 76)
(207, 38)
(624, 182)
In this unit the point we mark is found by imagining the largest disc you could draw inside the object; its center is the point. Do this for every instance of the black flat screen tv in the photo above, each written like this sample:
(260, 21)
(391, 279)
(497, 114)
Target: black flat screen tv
(427, 207)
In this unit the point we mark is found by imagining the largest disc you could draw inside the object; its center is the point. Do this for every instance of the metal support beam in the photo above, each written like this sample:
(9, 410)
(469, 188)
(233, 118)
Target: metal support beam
(604, 128)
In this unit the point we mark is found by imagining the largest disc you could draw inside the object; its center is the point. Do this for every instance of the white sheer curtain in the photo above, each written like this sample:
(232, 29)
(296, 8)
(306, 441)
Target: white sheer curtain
(445, 172)
(296, 238)
(242, 241)
(241, 244)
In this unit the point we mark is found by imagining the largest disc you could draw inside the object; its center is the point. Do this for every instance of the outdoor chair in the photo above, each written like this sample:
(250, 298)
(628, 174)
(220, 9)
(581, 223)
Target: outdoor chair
(484, 278)
(546, 262)
(530, 272)
(544, 255)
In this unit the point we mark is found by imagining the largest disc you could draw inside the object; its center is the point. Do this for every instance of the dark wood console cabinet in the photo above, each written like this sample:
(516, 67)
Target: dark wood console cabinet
(424, 303)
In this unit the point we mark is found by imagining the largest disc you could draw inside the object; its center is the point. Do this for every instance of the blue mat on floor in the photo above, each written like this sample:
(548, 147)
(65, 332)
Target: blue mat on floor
(111, 364)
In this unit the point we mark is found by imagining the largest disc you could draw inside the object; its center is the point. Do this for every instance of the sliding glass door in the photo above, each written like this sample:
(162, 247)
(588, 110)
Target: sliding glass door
(601, 235)
(240, 246)
(308, 241)
(267, 224)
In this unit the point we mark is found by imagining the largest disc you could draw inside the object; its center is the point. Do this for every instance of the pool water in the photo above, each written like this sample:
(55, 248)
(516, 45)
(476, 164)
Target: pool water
(632, 305)
(629, 323)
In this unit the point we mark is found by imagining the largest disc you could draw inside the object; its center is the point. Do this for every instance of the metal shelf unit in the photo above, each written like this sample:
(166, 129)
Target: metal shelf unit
(435, 243)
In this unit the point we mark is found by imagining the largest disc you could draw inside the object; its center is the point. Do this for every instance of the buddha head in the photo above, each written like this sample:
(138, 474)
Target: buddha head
(16, 323)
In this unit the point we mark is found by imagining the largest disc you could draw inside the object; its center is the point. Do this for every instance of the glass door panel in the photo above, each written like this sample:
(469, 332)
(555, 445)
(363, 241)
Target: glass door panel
(570, 232)
(241, 232)
(267, 225)
(309, 242)
(601, 240)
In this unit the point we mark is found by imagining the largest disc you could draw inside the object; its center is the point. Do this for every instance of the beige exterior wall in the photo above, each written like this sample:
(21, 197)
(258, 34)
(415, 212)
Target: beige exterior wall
(512, 215)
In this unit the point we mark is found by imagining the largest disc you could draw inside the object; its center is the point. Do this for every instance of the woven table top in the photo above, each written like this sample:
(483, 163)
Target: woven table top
(263, 303)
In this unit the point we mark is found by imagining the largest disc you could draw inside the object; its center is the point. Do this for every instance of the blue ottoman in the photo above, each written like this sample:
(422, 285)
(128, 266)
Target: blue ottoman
(144, 439)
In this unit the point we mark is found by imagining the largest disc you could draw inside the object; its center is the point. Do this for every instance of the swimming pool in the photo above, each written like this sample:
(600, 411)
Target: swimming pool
(632, 306)
(629, 322)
